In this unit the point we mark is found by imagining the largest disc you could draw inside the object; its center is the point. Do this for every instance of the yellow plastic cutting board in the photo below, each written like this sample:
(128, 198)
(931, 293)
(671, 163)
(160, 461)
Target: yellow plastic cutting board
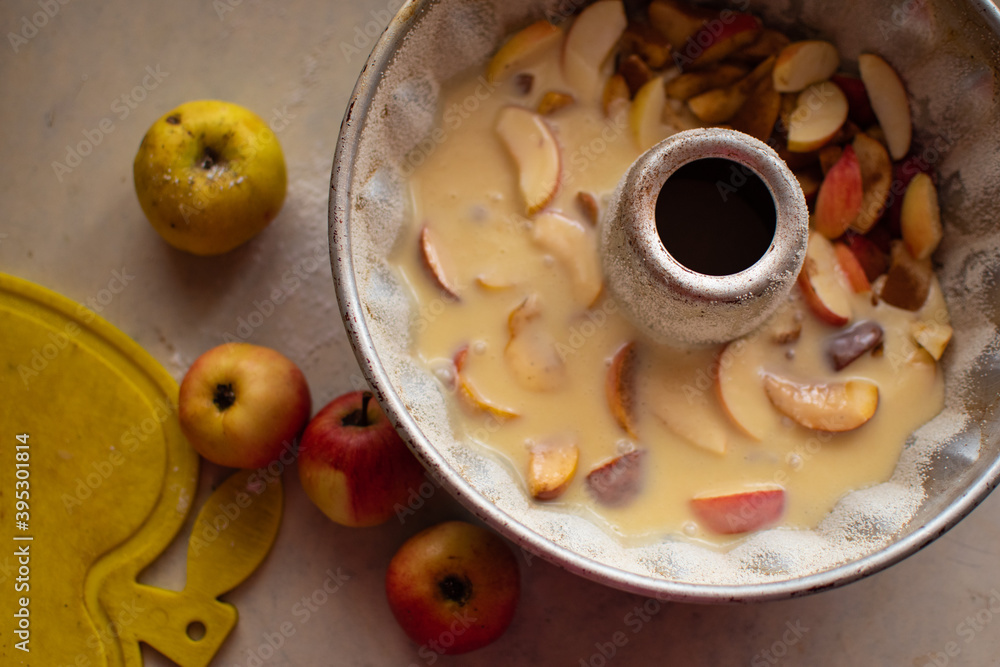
(106, 482)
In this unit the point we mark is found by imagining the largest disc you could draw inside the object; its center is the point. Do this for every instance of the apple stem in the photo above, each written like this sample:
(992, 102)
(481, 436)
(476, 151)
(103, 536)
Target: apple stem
(224, 396)
(209, 158)
(456, 589)
(359, 418)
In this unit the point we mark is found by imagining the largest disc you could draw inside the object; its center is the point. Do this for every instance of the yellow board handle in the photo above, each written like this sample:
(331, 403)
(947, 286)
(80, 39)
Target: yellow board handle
(232, 534)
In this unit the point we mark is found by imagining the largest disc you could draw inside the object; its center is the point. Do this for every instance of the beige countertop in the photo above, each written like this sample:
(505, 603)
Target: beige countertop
(91, 79)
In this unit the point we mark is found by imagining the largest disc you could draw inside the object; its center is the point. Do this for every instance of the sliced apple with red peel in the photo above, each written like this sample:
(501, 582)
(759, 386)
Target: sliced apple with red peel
(860, 107)
(646, 115)
(820, 111)
(718, 39)
(871, 258)
(920, 217)
(834, 407)
(646, 42)
(689, 84)
(740, 511)
(531, 352)
(535, 151)
(768, 43)
(468, 393)
(801, 64)
(619, 481)
(719, 105)
(889, 102)
(760, 112)
(589, 43)
(678, 21)
(849, 264)
(432, 261)
(522, 49)
(740, 387)
(575, 247)
(839, 199)
(876, 181)
(620, 387)
(824, 287)
(551, 466)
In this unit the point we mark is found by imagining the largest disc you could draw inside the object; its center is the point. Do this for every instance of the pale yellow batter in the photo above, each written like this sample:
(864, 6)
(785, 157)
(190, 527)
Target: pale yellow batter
(467, 196)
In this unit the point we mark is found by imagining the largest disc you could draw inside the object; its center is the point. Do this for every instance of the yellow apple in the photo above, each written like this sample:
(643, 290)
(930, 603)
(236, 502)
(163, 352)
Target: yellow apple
(209, 176)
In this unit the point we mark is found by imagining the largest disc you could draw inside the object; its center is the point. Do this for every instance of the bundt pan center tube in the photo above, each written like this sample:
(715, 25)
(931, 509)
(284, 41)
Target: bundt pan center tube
(679, 289)
(946, 52)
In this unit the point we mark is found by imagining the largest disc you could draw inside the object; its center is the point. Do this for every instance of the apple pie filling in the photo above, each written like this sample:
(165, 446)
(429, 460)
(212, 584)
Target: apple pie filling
(767, 430)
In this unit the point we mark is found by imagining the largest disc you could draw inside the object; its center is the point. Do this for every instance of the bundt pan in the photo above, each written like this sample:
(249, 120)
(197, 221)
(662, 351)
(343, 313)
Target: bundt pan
(947, 53)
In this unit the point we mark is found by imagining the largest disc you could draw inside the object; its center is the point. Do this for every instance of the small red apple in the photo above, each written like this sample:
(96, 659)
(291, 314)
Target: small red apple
(352, 463)
(241, 404)
(453, 587)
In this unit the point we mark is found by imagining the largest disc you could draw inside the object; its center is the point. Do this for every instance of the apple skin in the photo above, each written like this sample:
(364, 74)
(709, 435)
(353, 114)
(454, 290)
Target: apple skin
(740, 512)
(209, 176)
(356, 470)
(240, 405)
(453, 587)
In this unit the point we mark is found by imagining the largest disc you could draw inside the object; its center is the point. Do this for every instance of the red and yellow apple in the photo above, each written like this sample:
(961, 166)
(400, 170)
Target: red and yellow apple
(240, 405)
(453, 587)
(352, 463)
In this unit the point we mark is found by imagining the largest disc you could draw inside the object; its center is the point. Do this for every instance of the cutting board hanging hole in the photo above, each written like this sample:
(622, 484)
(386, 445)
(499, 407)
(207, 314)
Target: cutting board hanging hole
(196, 631)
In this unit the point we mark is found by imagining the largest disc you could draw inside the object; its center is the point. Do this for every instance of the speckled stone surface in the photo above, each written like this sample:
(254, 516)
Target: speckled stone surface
(295, 63)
